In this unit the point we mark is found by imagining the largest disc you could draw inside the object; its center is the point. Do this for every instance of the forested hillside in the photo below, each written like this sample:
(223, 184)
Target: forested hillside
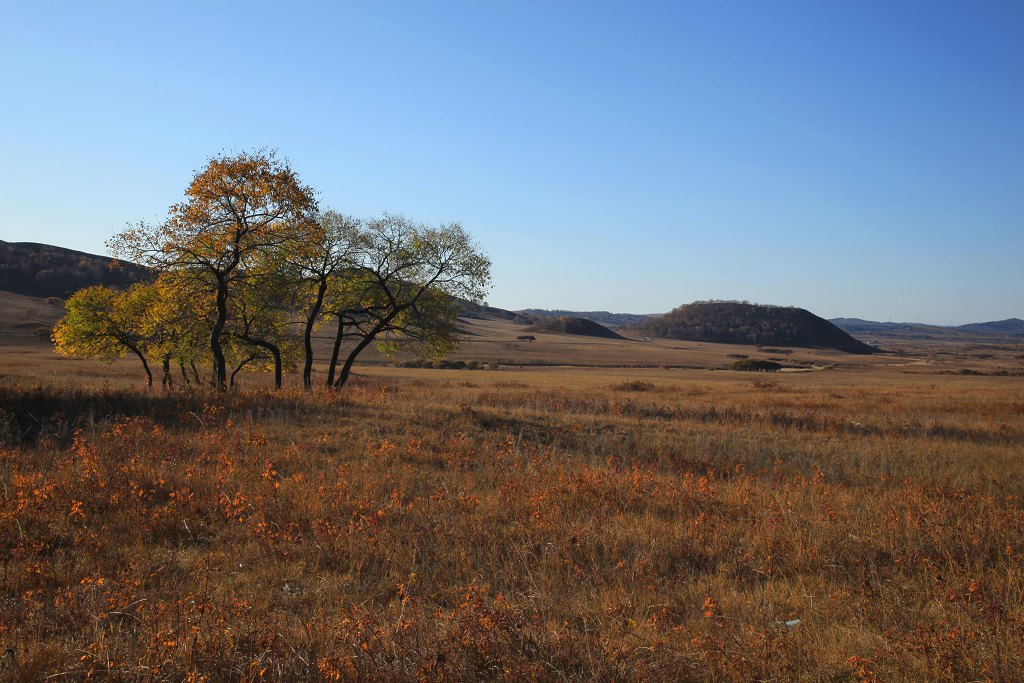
(733, 322)
(43, 270)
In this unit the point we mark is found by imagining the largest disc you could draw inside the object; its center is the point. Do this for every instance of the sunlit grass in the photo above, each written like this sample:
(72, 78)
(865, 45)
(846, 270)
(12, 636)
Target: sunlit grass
(483, 526)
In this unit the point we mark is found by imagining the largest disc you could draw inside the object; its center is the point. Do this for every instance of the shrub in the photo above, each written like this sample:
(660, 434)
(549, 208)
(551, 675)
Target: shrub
(756, 365)
(633, 385)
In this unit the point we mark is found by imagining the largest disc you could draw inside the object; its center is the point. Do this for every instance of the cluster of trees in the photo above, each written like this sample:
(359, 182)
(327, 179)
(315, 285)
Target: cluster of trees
(247, 268)
(756, 365)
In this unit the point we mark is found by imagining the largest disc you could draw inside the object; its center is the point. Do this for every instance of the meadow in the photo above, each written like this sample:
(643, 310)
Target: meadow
(859, 523)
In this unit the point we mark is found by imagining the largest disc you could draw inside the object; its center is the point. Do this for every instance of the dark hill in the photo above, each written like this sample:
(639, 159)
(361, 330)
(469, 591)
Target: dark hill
(42, 270)
(731, 322)
(581, 326)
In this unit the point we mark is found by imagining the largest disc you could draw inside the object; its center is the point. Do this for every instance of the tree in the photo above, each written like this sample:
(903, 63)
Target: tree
(106, 324)
(180, 324)
(260, 320)
(405, 290)
(328, 255)
(239, 212)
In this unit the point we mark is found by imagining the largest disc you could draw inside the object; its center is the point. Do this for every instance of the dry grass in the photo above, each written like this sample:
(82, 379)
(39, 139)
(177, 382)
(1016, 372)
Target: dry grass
(543, 524)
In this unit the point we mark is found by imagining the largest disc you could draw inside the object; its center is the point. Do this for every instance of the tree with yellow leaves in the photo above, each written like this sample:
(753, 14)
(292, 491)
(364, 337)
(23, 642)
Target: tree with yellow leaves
(326, 261)
(106, 324)
(240, 213)
(405, 291)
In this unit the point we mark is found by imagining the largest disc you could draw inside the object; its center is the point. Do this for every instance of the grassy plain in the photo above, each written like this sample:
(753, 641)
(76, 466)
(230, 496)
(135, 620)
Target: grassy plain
(588, 522)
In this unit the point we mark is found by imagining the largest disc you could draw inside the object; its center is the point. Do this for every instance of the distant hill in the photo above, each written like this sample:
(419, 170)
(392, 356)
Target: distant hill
(42, 270)
(601, 317)
(569, 325)
(1010, 326)
(871, 328)
(27, 318)
(988, 331)
(733, 322)
(477, 312)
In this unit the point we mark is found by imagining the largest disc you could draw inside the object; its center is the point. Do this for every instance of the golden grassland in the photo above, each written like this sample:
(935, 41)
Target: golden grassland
(859, 523)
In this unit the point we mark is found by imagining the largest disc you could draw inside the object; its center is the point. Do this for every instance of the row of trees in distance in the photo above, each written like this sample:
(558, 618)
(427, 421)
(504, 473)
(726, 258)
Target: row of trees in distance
(247, 267)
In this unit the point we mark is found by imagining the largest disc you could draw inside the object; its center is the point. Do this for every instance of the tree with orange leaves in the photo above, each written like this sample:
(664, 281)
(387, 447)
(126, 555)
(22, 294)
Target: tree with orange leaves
(241, 214)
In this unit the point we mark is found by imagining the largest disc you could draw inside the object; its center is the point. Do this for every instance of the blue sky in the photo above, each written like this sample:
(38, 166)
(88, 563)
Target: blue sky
(862, 159)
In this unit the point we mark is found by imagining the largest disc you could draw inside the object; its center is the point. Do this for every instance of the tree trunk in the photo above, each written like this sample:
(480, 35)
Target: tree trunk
(335, 353)
(168, 380)
(220, 369)
(307, 369)
(145, 365)
(184, 375)
(277, 366)
(239, 367)
(274, 351)
(346, 369)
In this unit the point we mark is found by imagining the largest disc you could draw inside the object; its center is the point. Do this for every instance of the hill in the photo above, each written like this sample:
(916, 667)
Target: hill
(733, 322)
(580, 326)
(26, 319)
(901, 330)
(986, 331)
(473, 311)
(601, 317)
(1009, 327)
(42, 270)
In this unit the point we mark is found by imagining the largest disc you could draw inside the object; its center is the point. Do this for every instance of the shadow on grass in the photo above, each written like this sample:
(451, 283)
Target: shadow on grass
(28, 414)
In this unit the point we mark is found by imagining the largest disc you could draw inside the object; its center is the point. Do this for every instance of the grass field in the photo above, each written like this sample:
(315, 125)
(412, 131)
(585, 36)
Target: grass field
(858, 520)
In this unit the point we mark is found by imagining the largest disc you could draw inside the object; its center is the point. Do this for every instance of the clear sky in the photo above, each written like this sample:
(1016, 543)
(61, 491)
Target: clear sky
(861, 159)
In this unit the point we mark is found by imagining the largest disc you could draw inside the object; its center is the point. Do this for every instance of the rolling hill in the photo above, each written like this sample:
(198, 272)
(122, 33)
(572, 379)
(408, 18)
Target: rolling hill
(42, 270)
(569, 325)
(733, 322)
(986, 331)
(1010, 327)
(604, 318)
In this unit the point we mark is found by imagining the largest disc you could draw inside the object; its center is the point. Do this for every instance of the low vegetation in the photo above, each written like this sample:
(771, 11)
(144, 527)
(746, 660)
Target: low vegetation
(660, 528)
(446, 364)
(756, 365)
